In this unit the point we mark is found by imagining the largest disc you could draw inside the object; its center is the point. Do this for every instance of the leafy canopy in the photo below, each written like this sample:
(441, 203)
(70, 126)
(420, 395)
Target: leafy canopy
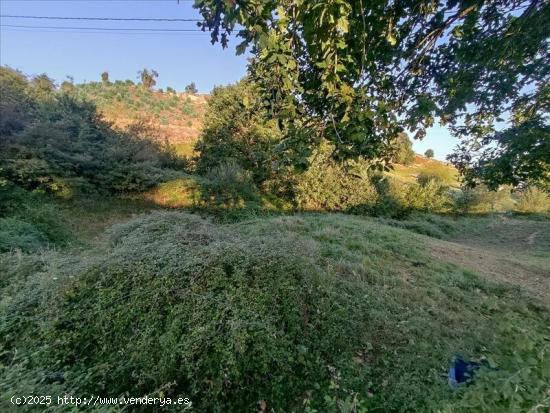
(365, 71)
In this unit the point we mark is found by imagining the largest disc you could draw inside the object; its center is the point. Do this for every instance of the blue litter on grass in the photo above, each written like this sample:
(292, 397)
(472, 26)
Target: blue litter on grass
(461, 371)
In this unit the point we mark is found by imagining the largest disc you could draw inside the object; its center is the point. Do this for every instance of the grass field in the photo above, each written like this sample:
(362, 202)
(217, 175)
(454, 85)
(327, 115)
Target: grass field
(373, 309)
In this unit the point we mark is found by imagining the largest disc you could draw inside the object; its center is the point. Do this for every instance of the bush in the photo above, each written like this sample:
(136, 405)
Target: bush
(18, 234)
(68, 147)
(403, 151)
(329, 186)
(429, 194)
(223, 318)
(236, 129)
(228, 185)
(533, 200)
(16, 104)
(294, 313)
(29, 221)
(481, 200)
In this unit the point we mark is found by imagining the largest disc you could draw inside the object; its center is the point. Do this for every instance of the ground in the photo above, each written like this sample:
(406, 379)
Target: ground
(504, 249)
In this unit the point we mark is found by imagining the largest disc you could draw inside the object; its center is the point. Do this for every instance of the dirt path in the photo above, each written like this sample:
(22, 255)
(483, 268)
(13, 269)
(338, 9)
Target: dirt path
(515, 252)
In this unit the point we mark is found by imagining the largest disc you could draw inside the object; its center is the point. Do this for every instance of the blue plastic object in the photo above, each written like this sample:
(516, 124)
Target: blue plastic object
(461, 371)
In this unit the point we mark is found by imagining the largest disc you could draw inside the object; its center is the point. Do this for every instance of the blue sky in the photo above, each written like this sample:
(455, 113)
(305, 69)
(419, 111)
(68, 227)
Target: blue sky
(180, 57)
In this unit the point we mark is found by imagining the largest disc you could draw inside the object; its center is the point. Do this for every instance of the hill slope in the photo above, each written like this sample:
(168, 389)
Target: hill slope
(177, 116)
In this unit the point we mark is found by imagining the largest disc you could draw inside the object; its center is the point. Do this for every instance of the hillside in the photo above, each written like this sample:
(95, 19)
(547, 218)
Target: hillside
(121, 274)
(423, 165)
(176, 116)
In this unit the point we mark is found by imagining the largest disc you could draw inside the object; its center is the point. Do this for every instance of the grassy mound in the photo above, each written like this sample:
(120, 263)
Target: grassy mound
(326, 313)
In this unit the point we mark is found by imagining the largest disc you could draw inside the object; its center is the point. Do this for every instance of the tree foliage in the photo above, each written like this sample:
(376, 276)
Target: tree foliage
(402, 150)
(429, 153)
(55, 142)
(148, 78)
(236, 129)
(191, 88)
(367, 70)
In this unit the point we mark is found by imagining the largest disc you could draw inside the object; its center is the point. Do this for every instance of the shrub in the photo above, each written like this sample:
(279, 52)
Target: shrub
(329, 186)
(29, 221)
(148, 78)
(68, 147)
(429, 153)
(533, 200)
(191, 88)
(295, 313)
(18, 234)
(16, 104)
(429, 194)
(390, 201)
(228, 185)
(403, 152)
(224, 318)
(236, 128)
(482, 200)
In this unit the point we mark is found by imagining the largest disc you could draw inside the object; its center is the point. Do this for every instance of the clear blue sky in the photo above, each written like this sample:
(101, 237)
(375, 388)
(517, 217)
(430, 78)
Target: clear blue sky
(180, 58)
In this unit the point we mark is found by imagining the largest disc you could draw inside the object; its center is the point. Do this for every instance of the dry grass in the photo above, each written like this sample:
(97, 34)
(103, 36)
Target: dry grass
(422, 165)
(178, 193)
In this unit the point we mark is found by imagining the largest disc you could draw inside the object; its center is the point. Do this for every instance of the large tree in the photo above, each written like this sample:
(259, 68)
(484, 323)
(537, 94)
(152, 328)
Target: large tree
(366, 70)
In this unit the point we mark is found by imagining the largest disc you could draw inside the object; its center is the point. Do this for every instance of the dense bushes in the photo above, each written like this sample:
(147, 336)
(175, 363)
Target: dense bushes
(403, 151)
(65, 146)
(224, 317)
(236, 129)
(228, 185)
(294, 313)
(329, 186)
(28, 221)
(429, 194)
(533, 200)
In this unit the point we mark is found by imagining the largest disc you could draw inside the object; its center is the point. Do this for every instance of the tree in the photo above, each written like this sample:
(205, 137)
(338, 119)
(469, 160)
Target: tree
(429, 153)
(148, 78)
(42, 88)
(368, 70)
(403, 152)
(105, 78)
(236, 129)
(191, 88)
(16, 104)
(170, 90)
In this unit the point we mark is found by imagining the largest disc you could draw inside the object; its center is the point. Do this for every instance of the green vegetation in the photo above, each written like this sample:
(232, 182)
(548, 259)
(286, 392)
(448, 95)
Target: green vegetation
(191, 88)
(360, 73)
(429, 153)
(238, 131)
(248, 282)
(319, 312)
(148, 78)
(64, 146)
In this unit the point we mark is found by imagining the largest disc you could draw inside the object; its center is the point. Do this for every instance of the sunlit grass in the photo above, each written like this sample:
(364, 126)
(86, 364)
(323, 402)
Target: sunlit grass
(421, 165)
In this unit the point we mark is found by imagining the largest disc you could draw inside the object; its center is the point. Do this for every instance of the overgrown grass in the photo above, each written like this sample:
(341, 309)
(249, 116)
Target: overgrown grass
(409, 173)
(308, 312)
